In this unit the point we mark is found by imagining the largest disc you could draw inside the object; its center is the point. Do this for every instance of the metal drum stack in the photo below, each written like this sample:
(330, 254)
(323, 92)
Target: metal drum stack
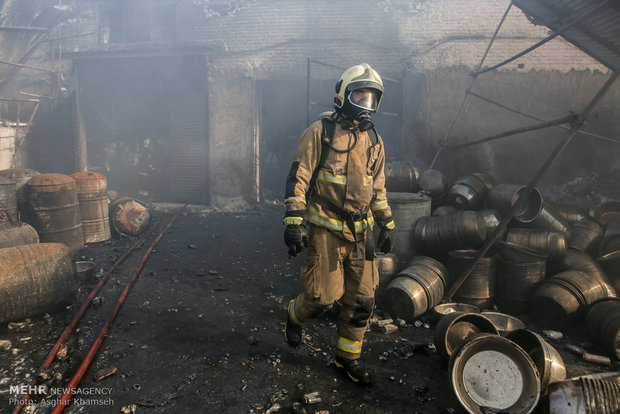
(92, 193)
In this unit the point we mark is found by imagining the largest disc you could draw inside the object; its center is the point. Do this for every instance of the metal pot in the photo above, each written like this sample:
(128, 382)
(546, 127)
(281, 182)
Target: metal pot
(454, 328)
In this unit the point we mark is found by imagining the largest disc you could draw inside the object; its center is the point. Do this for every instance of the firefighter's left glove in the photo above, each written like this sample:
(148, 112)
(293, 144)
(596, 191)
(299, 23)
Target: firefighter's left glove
(295, 234)
(384, 242)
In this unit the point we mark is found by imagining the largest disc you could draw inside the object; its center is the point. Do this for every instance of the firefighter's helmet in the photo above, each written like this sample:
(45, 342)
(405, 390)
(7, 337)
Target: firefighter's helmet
(360, 76)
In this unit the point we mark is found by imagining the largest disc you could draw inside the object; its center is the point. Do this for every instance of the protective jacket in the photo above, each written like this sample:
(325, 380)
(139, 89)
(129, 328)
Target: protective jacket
(354, 181)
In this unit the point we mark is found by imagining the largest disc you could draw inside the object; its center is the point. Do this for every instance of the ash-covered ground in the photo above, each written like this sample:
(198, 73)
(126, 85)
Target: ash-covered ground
(201, 332)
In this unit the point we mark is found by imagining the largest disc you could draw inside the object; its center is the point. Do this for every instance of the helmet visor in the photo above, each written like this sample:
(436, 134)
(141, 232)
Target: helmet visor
(364, 98)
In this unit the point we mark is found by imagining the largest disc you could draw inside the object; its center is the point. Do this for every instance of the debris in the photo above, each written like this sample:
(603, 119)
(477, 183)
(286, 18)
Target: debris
(129, 409)
(552, 334)
(62, 352)
(273, 409)
(5, 344)
(382, 322)
(312, 398)
(417, 324)
(596, 359)
(104, 373)
(20, 326)
(298, 408)
(388, 329)
(191, 246)
(575, 349)
(401, 323)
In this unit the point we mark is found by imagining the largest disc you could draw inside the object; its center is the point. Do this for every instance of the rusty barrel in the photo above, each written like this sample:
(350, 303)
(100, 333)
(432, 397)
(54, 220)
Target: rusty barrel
(401, 177)
(416, 289)
(8, 202)
(504, 196)
(552, 243)
(603, 323)
(407, 208)
(92, 193)
(35, 278)
(18, 235)
(586, 235)
(563, 298)
(53, 210)
(21, 176)
(129, 217)
(479, 287)
(517, 280)
(467, 192)
(460, 230)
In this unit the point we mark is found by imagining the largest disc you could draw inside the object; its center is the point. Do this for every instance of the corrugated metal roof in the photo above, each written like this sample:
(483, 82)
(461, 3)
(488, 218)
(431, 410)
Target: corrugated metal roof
(596, 31)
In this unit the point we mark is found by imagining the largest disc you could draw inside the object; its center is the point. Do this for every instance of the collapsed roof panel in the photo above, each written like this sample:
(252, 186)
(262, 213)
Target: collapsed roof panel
(596, 28)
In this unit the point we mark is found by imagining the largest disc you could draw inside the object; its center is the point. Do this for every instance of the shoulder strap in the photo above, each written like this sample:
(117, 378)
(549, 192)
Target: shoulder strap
(374, 137)
(327, 133)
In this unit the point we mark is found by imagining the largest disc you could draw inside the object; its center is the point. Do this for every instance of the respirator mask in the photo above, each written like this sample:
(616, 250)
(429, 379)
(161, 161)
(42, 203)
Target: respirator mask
(359, 105)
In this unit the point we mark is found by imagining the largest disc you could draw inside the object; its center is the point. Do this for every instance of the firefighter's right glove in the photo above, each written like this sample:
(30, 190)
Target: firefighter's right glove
(295, 234)
(384, 242)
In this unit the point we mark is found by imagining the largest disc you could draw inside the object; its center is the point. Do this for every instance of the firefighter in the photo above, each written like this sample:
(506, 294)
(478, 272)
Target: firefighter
(336, 187)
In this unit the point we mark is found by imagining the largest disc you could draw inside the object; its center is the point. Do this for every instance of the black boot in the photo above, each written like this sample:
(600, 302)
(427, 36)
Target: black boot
(292, 331)
(354, 369)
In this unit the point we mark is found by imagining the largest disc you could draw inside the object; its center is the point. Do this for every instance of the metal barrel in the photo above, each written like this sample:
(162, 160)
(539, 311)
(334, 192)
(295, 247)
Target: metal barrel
(92, 193)
(53, 210)
(444, 210)
(578, 260)
(550, 219)
(611, 238)
(435, 184)
(8, 202)
(551, 242)
(489, 182)
(401, 177)
(460, 230)
(129, 217)
(603, 324)
(607, 211)
(407, 208)
(21, 176)
(548, 360)
(18, 235)
(504, 196)
(387, 265)
(571, 212)
(586, 235)
(454, 328)
(492, 219)
(415, 290)
(562, 299)
(585, 395)
(479, 287)
(467, 192)
(35, 278)
(516, 281)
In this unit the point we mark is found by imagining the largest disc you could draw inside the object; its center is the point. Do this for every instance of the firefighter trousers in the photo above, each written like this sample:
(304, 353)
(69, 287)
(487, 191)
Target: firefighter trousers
(333, 271)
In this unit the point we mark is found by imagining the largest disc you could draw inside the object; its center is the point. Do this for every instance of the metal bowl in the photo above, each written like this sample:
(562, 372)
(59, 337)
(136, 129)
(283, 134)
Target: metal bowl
(454, 328)
(493, 372)
(503, 322)
(444, 309)
(549, 362)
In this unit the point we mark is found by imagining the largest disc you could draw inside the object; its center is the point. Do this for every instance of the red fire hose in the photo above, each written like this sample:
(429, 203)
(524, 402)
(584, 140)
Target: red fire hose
(77, 377)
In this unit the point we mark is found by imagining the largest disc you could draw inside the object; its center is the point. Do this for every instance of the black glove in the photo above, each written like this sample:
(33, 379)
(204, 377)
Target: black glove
(384, 242)
(296, 238)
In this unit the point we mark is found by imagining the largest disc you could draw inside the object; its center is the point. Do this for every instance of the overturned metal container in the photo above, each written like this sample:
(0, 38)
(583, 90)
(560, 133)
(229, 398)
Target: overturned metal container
(552, 243)
(434, 184)
(548, 360)
(576, 259)
(503, 322)
(415, 290)
(444, 210)
(586, 235)
(603, 323)
(440, 234)
(129, 217)
(562, 299)
(454, 328)
(571, 212)
(491, 374)
(585, 395)
(401, 177)
(479, 287)
(504, 196)
(18, 235)
(407, 208)
(387, 265)
(467, 192)
(8, 202)
(550, 219)
(53, 210)
(35, 278)
(92, 192)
